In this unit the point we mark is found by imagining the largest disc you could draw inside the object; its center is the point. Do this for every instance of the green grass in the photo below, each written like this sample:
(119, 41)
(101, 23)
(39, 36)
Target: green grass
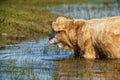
(23, 20)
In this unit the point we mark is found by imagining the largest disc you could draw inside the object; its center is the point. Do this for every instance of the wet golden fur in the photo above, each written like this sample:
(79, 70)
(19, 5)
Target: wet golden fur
(95, 38)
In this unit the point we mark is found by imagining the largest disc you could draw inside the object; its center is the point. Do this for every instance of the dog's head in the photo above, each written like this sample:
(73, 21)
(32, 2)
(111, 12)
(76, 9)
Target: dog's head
(64, 33)
(59, 35)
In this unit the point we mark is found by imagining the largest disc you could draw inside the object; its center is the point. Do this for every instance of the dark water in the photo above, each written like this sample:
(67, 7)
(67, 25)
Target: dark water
(38, 60)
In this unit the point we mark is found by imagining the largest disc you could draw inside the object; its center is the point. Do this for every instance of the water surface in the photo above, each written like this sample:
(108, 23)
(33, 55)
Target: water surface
(86, 11)
(38, 60)
(32, 59)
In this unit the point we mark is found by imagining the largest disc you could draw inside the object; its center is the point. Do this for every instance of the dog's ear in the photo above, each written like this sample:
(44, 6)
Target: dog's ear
(58, 26)
(61, 19)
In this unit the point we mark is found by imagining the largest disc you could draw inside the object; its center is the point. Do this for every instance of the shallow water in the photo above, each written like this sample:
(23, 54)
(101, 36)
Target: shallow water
(86, 11)
(38, 60)
(28, 60)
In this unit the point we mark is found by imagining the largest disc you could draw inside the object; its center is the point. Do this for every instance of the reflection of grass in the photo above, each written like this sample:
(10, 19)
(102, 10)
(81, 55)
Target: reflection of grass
(80, 73)
(117, 67)
(9, 70)
(28, 51)
(8, 67)
(47, 49)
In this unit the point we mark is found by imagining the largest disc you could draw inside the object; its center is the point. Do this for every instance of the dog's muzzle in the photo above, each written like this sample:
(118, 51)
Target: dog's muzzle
(55, 42)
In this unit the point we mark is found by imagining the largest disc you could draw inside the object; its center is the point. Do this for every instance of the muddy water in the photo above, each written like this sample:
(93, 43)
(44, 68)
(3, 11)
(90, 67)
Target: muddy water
(38, 60)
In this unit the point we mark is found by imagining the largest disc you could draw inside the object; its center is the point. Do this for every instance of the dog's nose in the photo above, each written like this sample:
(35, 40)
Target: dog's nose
(53, 41)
